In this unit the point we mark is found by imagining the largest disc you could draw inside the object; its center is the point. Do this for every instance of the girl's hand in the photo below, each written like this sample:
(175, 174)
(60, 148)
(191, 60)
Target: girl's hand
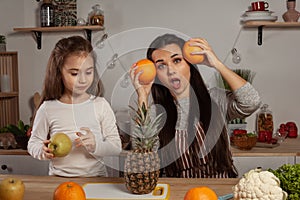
(143, 91)
(210, 59)
(47, 152)
(87, 140)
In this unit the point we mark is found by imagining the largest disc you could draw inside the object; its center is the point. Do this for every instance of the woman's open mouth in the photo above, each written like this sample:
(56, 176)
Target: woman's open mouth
(175, 83)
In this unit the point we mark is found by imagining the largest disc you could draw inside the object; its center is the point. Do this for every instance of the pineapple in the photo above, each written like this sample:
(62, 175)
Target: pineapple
(142, 164)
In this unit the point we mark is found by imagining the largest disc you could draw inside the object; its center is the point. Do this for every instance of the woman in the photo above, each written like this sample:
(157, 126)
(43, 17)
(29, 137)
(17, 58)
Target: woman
(194, 140)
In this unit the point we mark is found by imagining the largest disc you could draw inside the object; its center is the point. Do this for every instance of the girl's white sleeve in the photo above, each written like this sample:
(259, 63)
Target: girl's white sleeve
(39, 133)
(108, 142)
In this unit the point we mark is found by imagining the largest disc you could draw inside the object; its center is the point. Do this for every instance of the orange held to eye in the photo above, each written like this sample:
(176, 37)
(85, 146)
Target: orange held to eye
(149, 71)
(187, 50)
(201, 193)
(69, 191)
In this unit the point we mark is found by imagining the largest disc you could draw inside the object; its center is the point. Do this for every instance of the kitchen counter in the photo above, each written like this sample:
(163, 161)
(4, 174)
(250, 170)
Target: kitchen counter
(42, 187)
(289, 147)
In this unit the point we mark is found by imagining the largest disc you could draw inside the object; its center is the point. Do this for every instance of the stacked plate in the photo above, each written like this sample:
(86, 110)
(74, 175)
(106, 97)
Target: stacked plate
(258, 16)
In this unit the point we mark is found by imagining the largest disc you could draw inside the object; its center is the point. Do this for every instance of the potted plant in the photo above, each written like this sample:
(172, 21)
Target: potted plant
(2, 43)
(246, 74)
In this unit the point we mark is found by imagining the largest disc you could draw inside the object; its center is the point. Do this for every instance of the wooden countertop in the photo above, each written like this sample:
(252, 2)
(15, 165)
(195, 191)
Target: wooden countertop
(42, 187)
(290, 147)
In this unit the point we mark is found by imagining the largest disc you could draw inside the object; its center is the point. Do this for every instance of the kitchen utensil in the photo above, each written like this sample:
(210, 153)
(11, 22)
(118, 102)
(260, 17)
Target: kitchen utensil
(225, 197)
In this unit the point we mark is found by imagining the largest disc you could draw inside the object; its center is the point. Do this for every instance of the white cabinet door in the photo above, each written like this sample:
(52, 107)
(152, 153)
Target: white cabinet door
(244, 164)
(23, 164)
(298, 159)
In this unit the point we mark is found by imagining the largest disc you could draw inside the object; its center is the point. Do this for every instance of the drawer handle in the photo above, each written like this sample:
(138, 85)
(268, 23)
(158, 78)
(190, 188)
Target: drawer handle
(3, 167)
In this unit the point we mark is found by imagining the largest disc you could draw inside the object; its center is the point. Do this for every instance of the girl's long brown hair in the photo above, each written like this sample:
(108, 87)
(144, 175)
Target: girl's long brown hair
(53, 87)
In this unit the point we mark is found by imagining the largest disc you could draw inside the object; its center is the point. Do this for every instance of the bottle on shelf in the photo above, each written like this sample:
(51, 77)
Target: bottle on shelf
(265, 124)
(291, 15)
(96, 16)
(47, 13)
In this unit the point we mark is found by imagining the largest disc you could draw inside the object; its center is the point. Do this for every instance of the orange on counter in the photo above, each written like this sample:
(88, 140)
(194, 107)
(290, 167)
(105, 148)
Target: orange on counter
(201, 193)
(69, 191)
(187, 50)
(149, 71)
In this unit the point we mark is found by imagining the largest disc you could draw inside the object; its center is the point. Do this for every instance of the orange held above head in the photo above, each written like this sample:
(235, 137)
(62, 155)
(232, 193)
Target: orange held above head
(188, 49)
(149, 71)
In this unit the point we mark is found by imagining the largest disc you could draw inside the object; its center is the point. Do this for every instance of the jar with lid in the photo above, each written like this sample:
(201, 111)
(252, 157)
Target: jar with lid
(96, 16)
(265, 124)
(47, 13)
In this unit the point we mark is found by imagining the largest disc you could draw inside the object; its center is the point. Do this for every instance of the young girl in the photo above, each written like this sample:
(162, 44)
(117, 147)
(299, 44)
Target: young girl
(71, 104)
(194, 141)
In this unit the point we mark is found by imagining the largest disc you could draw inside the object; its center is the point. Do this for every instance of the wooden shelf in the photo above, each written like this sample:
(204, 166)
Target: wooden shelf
(267, 24)
(39, 30)
(251, 24)
(9, 101)
(9, 94)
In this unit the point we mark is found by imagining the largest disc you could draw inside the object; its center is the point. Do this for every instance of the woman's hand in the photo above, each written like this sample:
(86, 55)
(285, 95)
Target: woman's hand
(87, 140)
(234, 80)
(210, 59)
(143, 91)
(47, 152)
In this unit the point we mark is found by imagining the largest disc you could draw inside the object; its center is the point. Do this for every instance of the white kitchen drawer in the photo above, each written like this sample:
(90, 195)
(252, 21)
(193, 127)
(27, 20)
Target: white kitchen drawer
(23, 164)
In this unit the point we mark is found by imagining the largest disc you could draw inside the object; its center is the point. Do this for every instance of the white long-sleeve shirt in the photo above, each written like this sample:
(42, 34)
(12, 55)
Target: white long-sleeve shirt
(96, 114)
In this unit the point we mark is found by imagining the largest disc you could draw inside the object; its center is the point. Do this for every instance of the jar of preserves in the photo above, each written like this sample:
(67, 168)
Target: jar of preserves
(96, 16)
(265, 124)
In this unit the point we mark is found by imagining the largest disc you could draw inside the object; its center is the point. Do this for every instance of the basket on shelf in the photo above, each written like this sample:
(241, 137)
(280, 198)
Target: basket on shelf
(244, 142)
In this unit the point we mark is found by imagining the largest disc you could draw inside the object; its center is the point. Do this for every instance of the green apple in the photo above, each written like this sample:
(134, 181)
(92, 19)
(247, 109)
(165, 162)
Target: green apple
(60, 144)
(12, 189)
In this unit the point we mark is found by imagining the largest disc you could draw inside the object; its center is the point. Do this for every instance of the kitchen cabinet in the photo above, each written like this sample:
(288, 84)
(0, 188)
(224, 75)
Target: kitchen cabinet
(287, 152)
(23, 164)
(39, 30)
(266, 24)
(9, 100)
(244, 164)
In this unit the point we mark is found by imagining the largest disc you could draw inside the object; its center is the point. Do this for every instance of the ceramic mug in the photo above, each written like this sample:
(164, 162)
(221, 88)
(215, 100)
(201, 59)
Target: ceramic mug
(259, 5)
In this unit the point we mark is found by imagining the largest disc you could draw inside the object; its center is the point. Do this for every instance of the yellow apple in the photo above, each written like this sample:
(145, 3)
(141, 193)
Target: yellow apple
(12, 189)
(60, 144)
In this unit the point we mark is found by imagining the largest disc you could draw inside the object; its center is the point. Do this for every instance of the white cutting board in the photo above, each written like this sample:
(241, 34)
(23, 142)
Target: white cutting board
(106, 191)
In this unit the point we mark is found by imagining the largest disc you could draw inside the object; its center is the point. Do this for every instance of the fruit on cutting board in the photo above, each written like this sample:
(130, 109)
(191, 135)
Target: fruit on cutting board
(149, 71)
(201, 193)
(142, 164)
(69, 191)
(12, 189)
(188, 49)
(60, 144)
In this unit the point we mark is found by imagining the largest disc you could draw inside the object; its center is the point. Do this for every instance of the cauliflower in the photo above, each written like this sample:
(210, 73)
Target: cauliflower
(259, 185)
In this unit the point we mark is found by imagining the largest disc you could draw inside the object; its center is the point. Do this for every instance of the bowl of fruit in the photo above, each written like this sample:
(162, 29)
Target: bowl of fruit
(243, 140)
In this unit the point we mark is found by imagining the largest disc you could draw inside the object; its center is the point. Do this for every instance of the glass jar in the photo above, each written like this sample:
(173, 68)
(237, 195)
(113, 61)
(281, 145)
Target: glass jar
(265, 124)
(96, 16)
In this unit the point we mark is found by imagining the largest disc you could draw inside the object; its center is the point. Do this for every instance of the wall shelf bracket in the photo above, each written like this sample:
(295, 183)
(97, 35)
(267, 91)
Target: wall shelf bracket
(88, 34)
(259, 35)
(38, 37)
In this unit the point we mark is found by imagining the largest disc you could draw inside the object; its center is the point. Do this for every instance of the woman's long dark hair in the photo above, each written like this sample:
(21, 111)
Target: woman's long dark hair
(202, 112)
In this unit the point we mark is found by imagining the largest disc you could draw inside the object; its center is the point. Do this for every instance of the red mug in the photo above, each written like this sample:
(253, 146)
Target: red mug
(259, 5)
